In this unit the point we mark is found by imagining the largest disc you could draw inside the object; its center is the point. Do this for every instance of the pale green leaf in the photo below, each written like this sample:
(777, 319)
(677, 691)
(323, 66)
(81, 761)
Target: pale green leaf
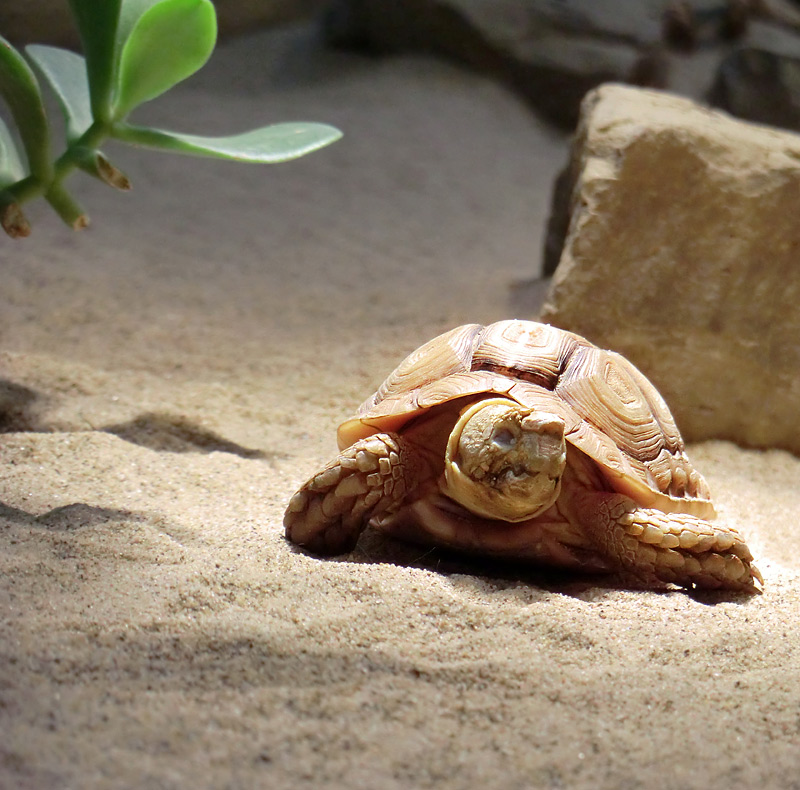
(11, 167)
(66, 73)
(269, 144)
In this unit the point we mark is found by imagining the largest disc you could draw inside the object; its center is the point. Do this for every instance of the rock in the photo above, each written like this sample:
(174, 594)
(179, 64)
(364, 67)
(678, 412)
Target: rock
(550, 52)
(783, 12)
(239, 16)
(682, 254)
(759, 86)
(687, 25)
(555, 73)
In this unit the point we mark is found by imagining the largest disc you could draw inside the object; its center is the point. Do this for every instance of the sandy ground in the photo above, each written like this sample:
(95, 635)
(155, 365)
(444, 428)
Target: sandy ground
(170, 376)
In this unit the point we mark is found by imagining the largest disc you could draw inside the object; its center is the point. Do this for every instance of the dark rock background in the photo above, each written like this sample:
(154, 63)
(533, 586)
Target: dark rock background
(552, 52)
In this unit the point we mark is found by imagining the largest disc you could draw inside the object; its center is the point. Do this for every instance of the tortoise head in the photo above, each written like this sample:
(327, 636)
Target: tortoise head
(505, 461)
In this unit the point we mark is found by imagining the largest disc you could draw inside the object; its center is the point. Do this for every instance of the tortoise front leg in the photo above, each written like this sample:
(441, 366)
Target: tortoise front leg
(671, 547)
(370, 477)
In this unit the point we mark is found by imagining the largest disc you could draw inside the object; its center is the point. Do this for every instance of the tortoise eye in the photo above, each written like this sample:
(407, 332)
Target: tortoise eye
(503, 437)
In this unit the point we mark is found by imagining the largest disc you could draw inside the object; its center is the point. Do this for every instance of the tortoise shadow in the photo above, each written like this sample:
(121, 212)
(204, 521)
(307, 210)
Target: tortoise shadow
(376, 548)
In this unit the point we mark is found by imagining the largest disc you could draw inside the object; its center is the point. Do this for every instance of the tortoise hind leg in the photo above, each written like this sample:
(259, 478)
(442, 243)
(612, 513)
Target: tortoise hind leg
(671, 547)
(370, 477)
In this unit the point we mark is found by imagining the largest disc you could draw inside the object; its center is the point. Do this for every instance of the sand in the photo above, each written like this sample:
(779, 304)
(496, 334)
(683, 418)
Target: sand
(172, 374)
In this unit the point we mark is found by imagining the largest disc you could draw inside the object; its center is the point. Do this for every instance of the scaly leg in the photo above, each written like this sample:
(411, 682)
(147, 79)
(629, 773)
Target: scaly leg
(671, 547)
(370, 477)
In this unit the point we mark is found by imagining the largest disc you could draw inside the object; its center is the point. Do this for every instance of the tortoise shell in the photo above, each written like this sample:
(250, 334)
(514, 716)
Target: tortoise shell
(612, 413)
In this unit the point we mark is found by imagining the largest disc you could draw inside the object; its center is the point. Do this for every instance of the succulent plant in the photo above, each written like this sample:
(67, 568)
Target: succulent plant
(134, 51)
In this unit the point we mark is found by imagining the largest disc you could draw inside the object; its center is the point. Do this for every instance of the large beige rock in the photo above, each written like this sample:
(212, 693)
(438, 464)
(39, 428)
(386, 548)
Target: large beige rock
(683, 253)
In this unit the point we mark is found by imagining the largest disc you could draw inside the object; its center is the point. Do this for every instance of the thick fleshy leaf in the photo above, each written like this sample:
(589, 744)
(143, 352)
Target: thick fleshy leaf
(129, 14)
(97, 23)
(170, 41)
(66, 73)
(18, 86)
(11, 167)
(277, 143)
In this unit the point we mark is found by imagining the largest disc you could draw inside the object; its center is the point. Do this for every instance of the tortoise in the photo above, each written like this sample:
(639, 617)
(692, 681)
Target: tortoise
(520, 440)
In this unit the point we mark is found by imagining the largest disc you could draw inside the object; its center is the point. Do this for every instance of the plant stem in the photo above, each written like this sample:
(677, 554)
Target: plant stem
(32, 187)
(65, 206)
(70, 159)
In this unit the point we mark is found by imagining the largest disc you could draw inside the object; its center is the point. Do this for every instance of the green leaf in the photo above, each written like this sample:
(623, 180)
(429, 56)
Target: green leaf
(97, 23)
(66, 73)
(11, 167)
(129, 15)
(21, 91)
(270, 144)
(170, 41)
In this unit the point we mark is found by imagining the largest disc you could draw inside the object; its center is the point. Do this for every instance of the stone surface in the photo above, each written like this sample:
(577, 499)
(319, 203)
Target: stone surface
(759, 85)
(550, 52)
(688, 25)
(682, 253)
(759, 80)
